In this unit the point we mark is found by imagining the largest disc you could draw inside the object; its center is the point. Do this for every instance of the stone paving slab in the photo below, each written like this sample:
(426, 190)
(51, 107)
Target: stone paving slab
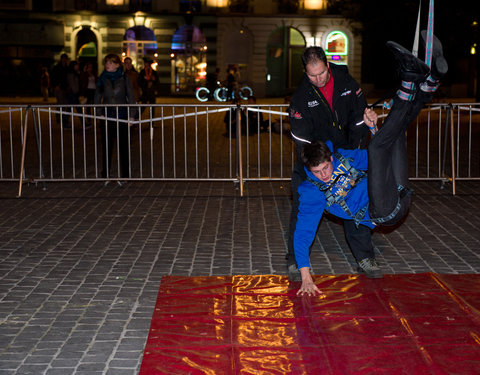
(80, 264)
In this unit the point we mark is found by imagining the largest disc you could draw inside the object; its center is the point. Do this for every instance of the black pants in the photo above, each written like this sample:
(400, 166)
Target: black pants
(359, 239)
(109, 142)
(387, 161)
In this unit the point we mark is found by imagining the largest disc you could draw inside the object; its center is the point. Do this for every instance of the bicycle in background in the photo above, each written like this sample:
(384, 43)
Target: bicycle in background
(222, 94)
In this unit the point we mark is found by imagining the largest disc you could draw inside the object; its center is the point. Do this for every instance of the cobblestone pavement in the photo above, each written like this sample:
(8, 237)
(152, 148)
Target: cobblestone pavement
(80, 264)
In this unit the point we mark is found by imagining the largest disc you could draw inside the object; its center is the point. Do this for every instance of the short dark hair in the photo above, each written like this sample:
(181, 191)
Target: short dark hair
(113, 58)
(315, 153)
(313, 54)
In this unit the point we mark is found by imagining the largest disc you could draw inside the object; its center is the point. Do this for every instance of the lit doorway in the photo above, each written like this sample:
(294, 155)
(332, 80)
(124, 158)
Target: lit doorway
(188, 59)
(87, 47)
(139, 42)
(284, 65)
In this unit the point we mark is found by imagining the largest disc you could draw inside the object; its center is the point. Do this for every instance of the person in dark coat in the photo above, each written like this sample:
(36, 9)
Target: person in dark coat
(114, 87)
(59, 82)
(148, 82)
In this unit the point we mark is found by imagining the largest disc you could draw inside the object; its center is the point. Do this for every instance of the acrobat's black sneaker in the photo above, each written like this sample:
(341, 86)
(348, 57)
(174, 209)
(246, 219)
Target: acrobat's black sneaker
(439, 65)
(411, 68)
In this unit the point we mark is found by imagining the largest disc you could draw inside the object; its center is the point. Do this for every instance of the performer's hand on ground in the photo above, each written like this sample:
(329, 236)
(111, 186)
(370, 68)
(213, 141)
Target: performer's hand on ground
(370, 118)
(308, 286)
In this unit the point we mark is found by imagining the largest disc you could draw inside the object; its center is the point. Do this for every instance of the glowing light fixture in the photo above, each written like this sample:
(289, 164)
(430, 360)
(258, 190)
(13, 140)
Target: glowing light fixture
(139, 19)
(114, 2)
(314, 4)
(217, 3)
(473, 49)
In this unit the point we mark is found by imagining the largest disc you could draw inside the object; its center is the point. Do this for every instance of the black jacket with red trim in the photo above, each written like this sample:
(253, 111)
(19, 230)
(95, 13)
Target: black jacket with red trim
(312, 119)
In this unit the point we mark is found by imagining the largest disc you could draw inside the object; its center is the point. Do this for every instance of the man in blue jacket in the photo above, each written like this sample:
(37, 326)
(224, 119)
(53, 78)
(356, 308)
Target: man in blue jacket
(337, 181)
(328, 105)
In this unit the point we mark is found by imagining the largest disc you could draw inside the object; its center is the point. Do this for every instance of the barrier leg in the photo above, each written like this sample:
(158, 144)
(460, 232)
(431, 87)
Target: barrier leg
(39, 146)
(452, 144)
(239, 148)
(445, 142)
(24, 146)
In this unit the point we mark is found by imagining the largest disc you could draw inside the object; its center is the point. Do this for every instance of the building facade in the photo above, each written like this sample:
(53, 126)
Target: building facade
(259, 40)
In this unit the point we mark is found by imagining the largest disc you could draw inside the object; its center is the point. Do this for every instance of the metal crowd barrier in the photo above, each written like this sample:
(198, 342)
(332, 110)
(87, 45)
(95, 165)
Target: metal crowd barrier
(173, 142)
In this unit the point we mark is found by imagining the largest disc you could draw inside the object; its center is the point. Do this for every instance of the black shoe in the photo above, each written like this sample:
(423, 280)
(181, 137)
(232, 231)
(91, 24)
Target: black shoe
(293, 272)
(439, 65)
(370, 268)
(411, 68)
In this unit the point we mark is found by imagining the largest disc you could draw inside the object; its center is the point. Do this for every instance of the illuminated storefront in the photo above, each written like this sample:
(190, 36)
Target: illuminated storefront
(188, 59)
(139, 42)
(336, 47)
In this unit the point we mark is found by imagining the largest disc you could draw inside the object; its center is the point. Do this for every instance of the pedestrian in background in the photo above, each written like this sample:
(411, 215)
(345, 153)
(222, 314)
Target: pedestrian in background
(131, 72)
(88, 86)
(44, 83)
(148, 82)
(73, 88)
(59, 84)
(114, 87)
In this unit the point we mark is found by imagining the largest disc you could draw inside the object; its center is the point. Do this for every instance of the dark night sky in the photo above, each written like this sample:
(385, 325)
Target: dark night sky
(396, 20)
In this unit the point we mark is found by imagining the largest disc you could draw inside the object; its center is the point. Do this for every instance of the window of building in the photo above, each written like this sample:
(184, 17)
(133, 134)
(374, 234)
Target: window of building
(188, 59)
(140, 5)
(139, 42)
(42, 6)
(190, 5)
(336, 47)
(239, 6)
(15, 4)
(284, 65)
(85, 5)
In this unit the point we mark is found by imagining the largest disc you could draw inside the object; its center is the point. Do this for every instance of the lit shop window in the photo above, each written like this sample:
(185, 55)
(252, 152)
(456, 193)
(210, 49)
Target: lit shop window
(139, 42)
(336, 47)
(188, 59)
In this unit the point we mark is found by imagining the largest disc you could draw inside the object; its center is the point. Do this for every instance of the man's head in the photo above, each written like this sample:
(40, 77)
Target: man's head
(64, 59)
(317, 158)
(127, 61)
(147, 62)
(316, 66)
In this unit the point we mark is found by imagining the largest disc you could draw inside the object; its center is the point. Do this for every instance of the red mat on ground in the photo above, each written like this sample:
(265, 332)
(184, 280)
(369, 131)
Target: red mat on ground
(401, 324)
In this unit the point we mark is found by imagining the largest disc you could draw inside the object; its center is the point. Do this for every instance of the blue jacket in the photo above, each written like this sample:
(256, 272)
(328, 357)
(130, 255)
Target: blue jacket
(313, 201)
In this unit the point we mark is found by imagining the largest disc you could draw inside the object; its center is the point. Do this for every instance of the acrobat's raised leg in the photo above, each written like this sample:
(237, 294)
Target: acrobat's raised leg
(388, 189)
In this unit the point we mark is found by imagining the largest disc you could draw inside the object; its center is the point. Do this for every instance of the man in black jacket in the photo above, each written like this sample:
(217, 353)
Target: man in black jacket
(330, 105)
